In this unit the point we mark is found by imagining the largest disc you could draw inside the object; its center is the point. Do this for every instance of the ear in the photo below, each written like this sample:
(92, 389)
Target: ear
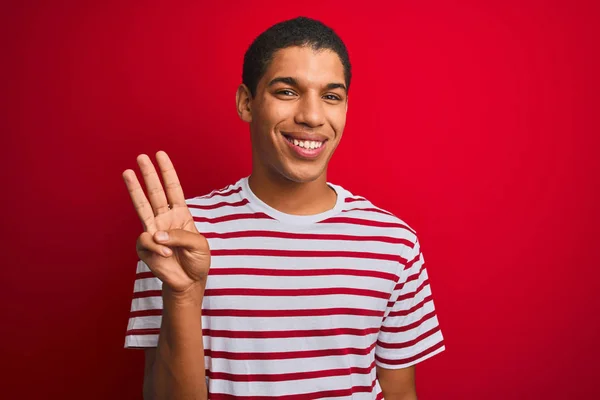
(347, 97)
(243, 100)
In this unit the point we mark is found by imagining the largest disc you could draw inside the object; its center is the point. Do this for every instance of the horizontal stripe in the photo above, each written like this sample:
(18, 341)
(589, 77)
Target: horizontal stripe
(295, 292)
(306, 236)
(410, 359)
(398, 329)
(403, 313)
(410, 343)
(372, 209)
(147, 293)
(291, 313)
(286, 355)
(366, 222)
(412, 277)
(279, 272)
(411, 295)
(287, 334)
(353, 199)
(221, 192)
(306, 253)
(301, 396)
(240, 203)
(231, 217)
(271, 313)
(302, 272)
(289, 376)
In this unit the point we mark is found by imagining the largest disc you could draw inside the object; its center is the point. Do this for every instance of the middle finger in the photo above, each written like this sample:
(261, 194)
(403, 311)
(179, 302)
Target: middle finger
(156, 194)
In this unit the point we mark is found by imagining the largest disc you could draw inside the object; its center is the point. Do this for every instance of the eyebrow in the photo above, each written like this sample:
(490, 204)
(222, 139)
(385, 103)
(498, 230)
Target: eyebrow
(293, 82)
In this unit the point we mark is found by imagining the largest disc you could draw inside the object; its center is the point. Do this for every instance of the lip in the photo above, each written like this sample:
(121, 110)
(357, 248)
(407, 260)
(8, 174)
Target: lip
(306, 153)
(315, 137)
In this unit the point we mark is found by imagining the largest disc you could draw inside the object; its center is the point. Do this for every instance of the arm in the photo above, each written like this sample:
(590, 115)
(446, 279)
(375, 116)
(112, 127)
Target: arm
(179, 256)
(397, 384)
(175, 369)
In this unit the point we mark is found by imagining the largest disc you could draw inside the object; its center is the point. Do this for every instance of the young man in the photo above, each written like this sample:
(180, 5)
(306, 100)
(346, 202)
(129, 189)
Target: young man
(281, 285)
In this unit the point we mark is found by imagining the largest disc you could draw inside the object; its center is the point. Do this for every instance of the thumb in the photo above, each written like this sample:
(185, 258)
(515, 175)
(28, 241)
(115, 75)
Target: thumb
(180, 238)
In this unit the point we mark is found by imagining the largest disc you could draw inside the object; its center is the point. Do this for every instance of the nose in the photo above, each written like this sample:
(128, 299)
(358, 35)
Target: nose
(310, 111)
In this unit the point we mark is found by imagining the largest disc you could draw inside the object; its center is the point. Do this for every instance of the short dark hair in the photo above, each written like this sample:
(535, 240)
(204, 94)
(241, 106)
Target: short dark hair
(300, 31)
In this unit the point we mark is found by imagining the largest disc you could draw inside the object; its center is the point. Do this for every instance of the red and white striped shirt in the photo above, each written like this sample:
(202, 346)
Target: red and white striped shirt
(301, 307)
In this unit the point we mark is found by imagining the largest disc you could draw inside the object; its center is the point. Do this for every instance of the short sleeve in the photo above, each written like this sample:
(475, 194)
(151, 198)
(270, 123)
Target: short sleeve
(146, 309)
(410, 332)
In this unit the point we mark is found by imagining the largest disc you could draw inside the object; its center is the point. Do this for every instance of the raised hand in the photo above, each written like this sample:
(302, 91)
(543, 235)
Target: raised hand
(170, 245)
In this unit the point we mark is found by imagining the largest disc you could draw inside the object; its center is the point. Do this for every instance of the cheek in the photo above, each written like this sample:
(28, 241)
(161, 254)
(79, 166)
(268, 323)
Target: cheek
(338, 121)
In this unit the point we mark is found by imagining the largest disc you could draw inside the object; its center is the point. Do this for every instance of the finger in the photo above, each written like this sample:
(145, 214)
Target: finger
(181, 238)
(140, 202)
(156, 194)
(145, 243)
(172, 185)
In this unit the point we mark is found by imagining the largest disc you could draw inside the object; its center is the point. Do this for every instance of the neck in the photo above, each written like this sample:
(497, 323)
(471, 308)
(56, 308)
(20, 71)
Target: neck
(296, 198)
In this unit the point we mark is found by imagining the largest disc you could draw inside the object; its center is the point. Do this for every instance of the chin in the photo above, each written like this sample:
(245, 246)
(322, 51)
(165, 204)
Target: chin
(303, 175)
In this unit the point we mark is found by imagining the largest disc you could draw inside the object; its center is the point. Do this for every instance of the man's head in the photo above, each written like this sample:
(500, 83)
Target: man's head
(294, 94)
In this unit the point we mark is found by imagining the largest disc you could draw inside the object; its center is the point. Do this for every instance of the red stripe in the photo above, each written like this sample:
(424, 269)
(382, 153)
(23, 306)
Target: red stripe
(371, 209)
(142, 332)
(287, 355)
(220, 192)
(295, 292)
(410, 343)
(218, 205)
(289, 333)
(302, 272)
(291, 376)
(411, 278)
(303, 396)
(413, 294)
(403, 313)
(231, 312)
(145, 313)
(395, 329)
(307, 253)
(232, 217)
(269, 334)
(366, 222)
(308, 236)
(379, 396)
(410, 359)
(353, 199)
(295, 272)
(145, 275)
(147, 293)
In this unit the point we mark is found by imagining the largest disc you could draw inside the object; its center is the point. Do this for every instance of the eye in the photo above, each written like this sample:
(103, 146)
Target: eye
(286, 92)
(332, 97)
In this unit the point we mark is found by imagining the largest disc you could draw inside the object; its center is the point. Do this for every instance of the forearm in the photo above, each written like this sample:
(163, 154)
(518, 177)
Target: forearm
(178, 372)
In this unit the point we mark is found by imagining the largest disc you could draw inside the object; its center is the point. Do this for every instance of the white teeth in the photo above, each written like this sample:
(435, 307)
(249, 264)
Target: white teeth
(306, 144)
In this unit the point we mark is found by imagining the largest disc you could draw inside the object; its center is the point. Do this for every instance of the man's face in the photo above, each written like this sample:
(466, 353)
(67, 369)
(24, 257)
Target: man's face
(299, 113)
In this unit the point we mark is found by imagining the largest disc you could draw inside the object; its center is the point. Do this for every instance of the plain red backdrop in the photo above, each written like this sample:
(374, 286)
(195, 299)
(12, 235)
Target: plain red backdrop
(476, 123)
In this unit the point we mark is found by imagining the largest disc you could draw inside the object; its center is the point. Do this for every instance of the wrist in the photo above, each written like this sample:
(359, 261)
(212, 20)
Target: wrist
(191, 296)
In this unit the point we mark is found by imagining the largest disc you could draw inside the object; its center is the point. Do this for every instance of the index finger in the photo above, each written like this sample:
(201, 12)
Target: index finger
(140, 202)
(171, 181)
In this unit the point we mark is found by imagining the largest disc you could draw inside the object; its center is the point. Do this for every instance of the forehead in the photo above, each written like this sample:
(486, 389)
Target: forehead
(308, 66)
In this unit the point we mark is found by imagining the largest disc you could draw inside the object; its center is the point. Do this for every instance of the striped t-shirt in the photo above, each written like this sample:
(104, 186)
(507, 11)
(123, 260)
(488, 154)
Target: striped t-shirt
(301, 307)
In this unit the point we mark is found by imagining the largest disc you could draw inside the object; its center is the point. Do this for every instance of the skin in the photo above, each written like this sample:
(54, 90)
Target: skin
(303, 91)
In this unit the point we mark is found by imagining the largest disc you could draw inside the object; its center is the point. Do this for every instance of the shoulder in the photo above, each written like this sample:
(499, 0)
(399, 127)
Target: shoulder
(362, 211)
(218, 202)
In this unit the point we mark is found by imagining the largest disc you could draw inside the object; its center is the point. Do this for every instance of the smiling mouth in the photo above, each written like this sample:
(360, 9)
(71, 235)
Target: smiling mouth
(305, 144)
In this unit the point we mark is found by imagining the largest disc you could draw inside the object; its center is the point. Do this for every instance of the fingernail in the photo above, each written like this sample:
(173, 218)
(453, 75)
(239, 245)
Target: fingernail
(162, 236)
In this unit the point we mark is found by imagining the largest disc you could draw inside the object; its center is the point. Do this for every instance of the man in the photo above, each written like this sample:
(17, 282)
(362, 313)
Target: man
(281, 285)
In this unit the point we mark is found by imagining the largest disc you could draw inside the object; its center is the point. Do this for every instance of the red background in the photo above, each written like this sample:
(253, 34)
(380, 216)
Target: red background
(475, 123)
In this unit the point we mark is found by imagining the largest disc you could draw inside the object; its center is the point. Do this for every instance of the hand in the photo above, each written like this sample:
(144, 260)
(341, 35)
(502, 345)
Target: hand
(182, 260)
